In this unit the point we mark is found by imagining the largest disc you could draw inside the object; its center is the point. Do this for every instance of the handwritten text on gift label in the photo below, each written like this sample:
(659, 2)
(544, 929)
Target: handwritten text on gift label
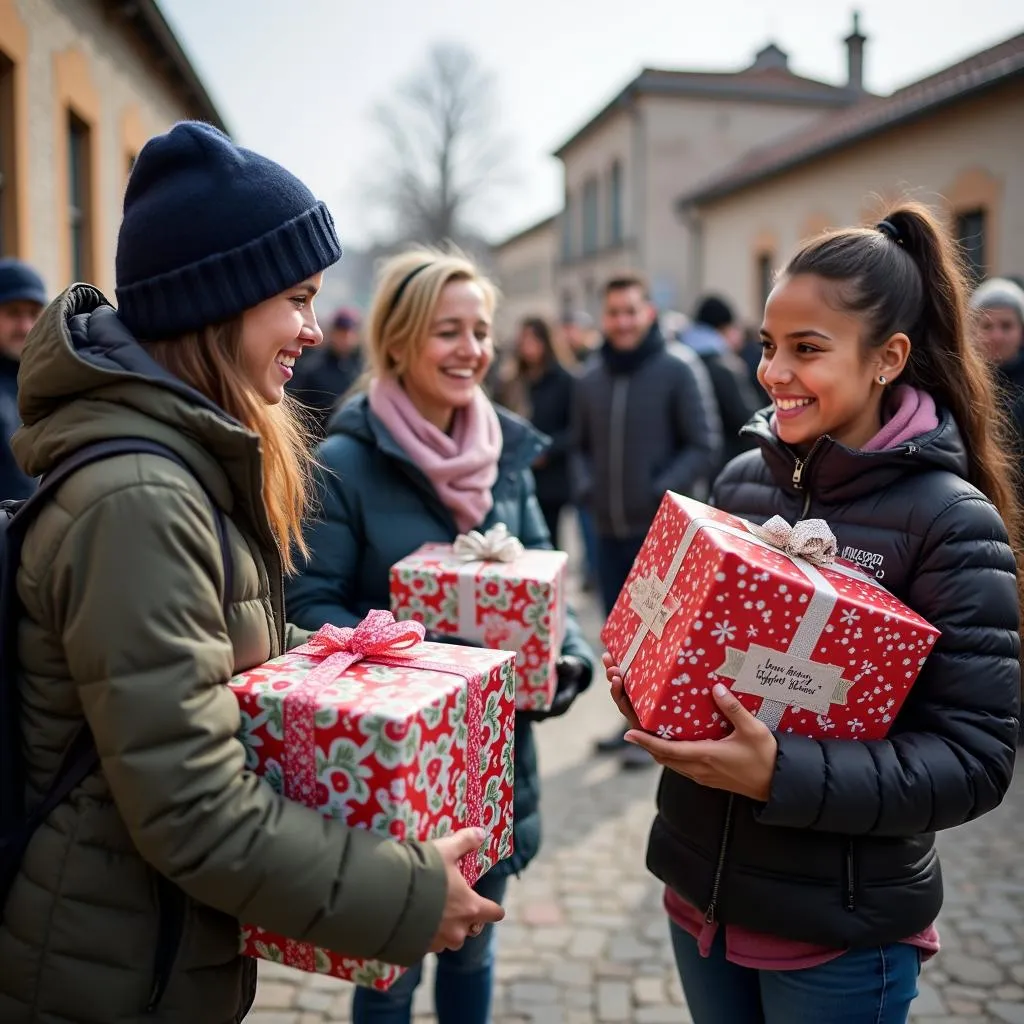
(773, 675)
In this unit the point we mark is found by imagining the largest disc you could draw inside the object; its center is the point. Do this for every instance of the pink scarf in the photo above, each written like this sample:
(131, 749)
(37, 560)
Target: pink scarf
(463, 466)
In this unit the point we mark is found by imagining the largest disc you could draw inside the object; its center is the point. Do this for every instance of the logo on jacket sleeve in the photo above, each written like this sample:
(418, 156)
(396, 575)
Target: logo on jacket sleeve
(869, 561)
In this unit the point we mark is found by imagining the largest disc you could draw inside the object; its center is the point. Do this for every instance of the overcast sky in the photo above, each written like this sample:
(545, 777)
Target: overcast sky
(298, 80)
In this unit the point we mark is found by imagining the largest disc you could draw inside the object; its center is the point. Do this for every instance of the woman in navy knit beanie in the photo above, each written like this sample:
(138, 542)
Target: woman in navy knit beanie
(147, 581)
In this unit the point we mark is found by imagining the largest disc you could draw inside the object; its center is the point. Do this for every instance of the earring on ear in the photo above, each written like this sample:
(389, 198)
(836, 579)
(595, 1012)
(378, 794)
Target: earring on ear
(881, 380)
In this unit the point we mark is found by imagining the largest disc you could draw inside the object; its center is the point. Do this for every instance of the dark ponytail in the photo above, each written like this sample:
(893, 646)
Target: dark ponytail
(905, 276)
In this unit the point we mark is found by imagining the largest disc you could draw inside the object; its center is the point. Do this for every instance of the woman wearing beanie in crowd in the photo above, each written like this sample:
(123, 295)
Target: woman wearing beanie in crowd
(537, 385)
(802, 877)
(128, 900)
(424, 456)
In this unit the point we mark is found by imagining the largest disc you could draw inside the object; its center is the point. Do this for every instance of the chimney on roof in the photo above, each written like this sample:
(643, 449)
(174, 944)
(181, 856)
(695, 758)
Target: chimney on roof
(770, 57)
(855, 57)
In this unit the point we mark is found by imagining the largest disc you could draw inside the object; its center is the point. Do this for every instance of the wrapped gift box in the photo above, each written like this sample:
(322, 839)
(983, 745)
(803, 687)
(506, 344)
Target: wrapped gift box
(487, 587)
(406, 739)
(809, 644)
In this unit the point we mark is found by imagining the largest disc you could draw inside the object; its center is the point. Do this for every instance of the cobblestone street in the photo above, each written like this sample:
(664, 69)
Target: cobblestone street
(586, 939)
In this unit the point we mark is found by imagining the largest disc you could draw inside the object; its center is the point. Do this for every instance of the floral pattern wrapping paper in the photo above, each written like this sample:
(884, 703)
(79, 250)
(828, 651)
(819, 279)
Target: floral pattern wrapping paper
(815, 649)
(515, 606)
(391, 744)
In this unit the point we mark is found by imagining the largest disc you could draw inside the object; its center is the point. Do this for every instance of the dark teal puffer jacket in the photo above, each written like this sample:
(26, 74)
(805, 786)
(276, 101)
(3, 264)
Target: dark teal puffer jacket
(376, 507)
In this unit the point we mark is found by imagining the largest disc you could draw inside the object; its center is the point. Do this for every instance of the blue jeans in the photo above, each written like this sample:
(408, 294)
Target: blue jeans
(462, 987)
(615, 558)
(863, 986)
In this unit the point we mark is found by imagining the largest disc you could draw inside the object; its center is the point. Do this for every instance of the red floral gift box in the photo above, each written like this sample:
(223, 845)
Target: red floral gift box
(810, 645)
(488, 587)
(374, 728)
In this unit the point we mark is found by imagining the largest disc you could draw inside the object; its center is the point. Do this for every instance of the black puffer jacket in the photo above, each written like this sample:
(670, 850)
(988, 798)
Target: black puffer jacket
(842, 854)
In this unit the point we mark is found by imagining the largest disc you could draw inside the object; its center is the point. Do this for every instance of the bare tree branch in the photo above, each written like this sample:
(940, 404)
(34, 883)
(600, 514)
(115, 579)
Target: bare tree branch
(443, 153)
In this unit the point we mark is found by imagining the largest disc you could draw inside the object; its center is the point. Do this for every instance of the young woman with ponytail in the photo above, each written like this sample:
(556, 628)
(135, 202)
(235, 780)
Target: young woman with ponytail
(802, 878)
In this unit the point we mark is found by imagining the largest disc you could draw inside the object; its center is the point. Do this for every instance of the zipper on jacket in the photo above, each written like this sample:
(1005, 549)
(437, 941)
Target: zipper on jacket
(171, 925)
(801, 464)
(716, 885)
(851, 877)
(807, 505)
(617, 456)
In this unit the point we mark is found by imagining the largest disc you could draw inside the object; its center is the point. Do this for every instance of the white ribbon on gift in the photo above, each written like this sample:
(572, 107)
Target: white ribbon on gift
(810, 539)
(496, 545)
(475, 549)
(809, 542)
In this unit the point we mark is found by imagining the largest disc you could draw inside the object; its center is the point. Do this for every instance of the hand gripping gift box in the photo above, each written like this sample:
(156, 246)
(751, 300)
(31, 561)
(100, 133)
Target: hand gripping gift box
(488, 587)
(808, 644)
(381, 731)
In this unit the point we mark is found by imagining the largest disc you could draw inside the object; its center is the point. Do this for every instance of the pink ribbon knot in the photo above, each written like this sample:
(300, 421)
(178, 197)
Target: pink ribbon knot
(341, 647)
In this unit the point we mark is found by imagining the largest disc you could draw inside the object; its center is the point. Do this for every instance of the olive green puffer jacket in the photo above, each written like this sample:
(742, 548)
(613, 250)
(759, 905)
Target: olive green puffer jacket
(128, 903)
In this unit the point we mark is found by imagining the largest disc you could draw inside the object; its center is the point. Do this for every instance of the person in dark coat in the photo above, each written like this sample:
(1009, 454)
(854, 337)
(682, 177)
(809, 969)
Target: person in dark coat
(22, 298)
(802, 879)
(326, 375)
(540, 389)
(645, 422)
(424, 456)
(709, 336)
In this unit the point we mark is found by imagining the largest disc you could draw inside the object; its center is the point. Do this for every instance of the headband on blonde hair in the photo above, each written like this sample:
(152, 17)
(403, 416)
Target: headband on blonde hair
(400, 291)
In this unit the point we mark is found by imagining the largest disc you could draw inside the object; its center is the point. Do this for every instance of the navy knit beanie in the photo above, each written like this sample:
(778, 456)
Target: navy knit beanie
(714, 312)
(210, 230)
(20, 283)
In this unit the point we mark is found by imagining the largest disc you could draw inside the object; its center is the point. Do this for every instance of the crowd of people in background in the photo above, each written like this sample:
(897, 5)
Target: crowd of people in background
(642, 402)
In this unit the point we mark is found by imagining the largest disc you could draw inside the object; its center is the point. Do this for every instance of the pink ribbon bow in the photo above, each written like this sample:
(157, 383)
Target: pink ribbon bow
(378, 635)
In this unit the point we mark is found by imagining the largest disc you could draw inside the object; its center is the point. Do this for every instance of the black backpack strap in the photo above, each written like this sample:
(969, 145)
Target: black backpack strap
(80, 759)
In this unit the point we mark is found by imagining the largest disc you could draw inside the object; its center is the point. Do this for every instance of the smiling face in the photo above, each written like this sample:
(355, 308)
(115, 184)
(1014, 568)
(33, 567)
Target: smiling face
(274, 334)
(454, 359)
(627, 316)
(1000, 334)
(821, 377)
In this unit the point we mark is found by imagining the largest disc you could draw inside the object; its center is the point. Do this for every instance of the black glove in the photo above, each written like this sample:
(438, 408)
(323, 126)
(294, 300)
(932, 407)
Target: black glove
(574, 675)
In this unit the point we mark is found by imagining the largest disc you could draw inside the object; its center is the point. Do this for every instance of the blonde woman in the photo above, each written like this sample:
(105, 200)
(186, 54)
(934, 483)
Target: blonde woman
(145, 583)
(423, 456)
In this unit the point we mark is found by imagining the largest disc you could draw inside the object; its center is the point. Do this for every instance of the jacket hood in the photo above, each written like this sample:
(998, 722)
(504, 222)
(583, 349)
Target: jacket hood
(521, 442)
(84, 378)
(704, 340)
(834, 472)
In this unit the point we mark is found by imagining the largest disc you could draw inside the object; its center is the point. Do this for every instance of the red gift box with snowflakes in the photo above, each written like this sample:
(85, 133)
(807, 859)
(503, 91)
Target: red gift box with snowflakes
(372, 727)
(487, 587)
(809, 644)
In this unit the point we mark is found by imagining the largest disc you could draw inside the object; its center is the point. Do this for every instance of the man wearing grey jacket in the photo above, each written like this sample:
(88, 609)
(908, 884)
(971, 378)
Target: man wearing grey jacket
(645, 422)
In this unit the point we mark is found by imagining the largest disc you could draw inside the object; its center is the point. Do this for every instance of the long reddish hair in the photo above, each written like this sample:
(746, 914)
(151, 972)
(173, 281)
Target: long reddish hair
(210, 361)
